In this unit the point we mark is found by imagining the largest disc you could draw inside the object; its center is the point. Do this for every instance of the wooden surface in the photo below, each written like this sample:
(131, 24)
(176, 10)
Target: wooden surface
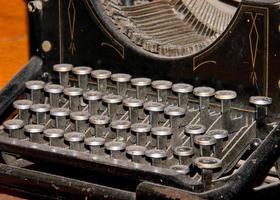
(13, 38)
(13, 50)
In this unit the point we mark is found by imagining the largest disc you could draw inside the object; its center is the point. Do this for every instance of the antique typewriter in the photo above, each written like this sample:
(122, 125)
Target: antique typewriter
(145, 99)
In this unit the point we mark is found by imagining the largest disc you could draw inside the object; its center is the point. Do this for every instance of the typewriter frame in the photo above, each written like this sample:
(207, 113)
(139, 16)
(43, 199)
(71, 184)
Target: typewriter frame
(243, 181)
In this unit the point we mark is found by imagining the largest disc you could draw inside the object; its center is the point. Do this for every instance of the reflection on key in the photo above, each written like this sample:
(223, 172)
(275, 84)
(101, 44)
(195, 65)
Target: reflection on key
(115, 149)
(23, 107)
(184, 154)
(35, 132)
(35, 91)
(73, 95)
(161, 137)
(80, 119)
(54, 136)
(63, 71)
(162, 87)
(156, 157)
(182, 90)
(226, 96)
(112, 101)
(93, 99)
(140, 133)
(100, 124)
(82, 73)
(206, 144)
(141, 85)
(154, 109)
(14, 127)
(75, 140)
(122, 82)
(136, 153)
(220, 135)
(54, 92)
(61, 117)
(101, 77)
(133, 106)
(261, 103)
(40, 113)
(204, 93)
(95, 144)
(174, 113)
(121, 129)
(194, 130)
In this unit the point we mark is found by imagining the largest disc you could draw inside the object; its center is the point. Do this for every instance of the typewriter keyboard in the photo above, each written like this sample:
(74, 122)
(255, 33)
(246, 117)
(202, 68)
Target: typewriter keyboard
(193, 131)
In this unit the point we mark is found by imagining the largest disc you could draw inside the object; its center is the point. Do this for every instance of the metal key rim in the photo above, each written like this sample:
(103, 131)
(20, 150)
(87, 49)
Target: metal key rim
(63, 67)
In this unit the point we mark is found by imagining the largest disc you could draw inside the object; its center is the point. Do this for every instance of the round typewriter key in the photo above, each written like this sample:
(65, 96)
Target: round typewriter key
(156, 156)
(40, 113)
(74, 95)
(181, 169)
(115, 149)
(261, 103)
(54, 136)
(193, 130)
(174, 114)
(60, 116)
(23, 107)
(207, 165)
(133, 106)
(101, 77)
(82, 73)
(182, 90)
(260, 100)
(14, 127)
(121, 129)
(54, 92)
(35, 88)
(154, 109)
(35, 132)
(226, 96)
(75, 140)
(141, 131)
(136, 153)
(63, 70)
(162, 87)
(220, 135)
(93, 98)
(100, 123)
(161, 137)
(95, 144)
(184, 154)
(141, 85)
(113, 102)
(206, 144)
(204, 93)
(121, 81)
(80, 119)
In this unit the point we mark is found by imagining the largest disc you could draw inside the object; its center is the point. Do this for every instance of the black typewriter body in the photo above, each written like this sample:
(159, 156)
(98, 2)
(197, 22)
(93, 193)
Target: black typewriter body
(229, 67)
